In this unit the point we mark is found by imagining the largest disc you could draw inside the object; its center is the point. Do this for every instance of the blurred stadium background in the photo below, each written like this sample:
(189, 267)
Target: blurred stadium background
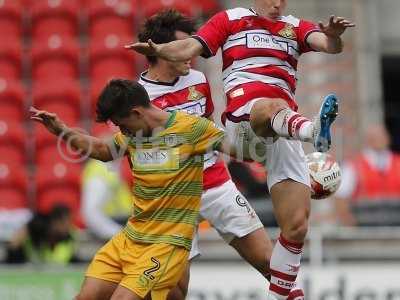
(57, 54)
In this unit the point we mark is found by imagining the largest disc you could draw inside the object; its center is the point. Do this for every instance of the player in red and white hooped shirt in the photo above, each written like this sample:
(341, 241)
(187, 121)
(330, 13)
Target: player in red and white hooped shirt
(175, 86)
(260, 51)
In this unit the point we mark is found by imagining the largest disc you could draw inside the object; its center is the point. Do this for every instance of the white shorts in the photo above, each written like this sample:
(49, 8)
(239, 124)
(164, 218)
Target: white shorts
(283, 158)
(228, 212)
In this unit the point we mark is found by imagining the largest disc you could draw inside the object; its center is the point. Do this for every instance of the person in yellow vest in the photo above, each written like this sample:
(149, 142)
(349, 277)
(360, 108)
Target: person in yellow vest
(106, 198)
(45, 239)
(369, 194)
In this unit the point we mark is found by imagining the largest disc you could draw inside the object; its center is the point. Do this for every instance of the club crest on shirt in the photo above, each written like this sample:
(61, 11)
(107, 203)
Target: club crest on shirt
(163, 103)
(288, 32)
(194, 95)
(171, 140)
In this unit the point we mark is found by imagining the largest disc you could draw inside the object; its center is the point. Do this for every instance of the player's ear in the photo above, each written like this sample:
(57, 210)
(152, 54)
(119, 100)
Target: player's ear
(137, 112)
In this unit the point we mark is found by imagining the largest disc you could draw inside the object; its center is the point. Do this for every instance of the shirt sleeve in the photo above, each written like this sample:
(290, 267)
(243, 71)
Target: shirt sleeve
(209, 101)
(206, 136)
(213, 34)
(304, 30)
(120, 142)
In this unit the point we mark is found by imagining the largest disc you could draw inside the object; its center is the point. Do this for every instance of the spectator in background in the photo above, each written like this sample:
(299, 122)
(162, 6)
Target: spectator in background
(369, 194)
(106, 198)
(250, 178)
(45, 239)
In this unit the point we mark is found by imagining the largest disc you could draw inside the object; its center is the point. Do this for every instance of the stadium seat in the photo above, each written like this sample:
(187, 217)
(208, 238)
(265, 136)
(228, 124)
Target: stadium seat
(62, 97)
(12, 99)
(94, 92)
(208, 7)
(55, 57)
(51, 17)
(13, 186)
(12, 142)
(58, 183)
(11, 58)
(10, 19)
(57, 151)
(102, 130)
(109, 59)
(49, 149)
(152, 7)
(106, 17)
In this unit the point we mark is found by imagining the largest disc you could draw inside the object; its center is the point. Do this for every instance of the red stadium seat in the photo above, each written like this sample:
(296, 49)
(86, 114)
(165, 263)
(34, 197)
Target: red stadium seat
(57, 151)
(55, 17)
(13, 186)
(58, 183)
(152, 7)
(108, 59)
(208, 7)
(12, 142)
(51, 150)
(61, 97)
(55, 57)
(26, 3)
(11, 58)
(102, 130)
(107, 17)
(95, 89)
(12, 99)
(10, 19)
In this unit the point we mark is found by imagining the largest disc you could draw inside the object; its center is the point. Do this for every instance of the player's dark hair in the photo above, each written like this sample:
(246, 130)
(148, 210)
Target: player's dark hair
(59, 211)
(118, 97)
(161, 28)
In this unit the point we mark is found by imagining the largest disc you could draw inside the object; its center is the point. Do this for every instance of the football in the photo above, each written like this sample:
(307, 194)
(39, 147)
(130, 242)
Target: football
(325, 175)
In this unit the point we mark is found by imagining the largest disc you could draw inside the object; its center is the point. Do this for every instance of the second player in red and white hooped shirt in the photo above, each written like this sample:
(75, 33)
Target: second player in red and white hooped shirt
(260, 49)
(190, 93)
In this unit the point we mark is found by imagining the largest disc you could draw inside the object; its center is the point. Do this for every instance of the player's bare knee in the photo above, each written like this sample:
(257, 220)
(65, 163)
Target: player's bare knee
(297, 228)
(269, 107)
(82, 297)
(262, 113)
(177, 293)
(123, 296)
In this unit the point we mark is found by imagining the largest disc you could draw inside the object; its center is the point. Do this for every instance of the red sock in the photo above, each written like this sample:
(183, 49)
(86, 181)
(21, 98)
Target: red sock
(296, 294)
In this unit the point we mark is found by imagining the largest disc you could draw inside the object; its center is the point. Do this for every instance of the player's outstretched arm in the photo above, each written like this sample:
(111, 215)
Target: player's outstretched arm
(225, 146)
(96, 148)
(179, 50)
(329, 39)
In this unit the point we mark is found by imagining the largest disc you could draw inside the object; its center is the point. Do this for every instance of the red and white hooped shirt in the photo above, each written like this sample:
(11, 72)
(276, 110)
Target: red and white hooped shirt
(259, 55)
(190, 94)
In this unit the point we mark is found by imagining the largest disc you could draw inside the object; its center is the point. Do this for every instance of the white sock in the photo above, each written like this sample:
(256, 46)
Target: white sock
(287, 123)
(284, 266)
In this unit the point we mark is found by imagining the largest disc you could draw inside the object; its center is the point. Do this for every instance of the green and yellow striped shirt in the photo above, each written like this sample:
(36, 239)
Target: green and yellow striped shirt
(168, 179)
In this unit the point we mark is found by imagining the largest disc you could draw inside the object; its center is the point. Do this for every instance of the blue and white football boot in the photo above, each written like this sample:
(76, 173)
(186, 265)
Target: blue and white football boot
(323, 121)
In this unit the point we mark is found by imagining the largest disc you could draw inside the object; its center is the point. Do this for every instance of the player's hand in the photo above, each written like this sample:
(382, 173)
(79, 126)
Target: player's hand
(149, 49)
(49, 120)
(336, 26)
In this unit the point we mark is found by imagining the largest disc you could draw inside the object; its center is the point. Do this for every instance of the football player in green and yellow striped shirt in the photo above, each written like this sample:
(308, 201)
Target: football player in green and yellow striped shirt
(165, 151)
